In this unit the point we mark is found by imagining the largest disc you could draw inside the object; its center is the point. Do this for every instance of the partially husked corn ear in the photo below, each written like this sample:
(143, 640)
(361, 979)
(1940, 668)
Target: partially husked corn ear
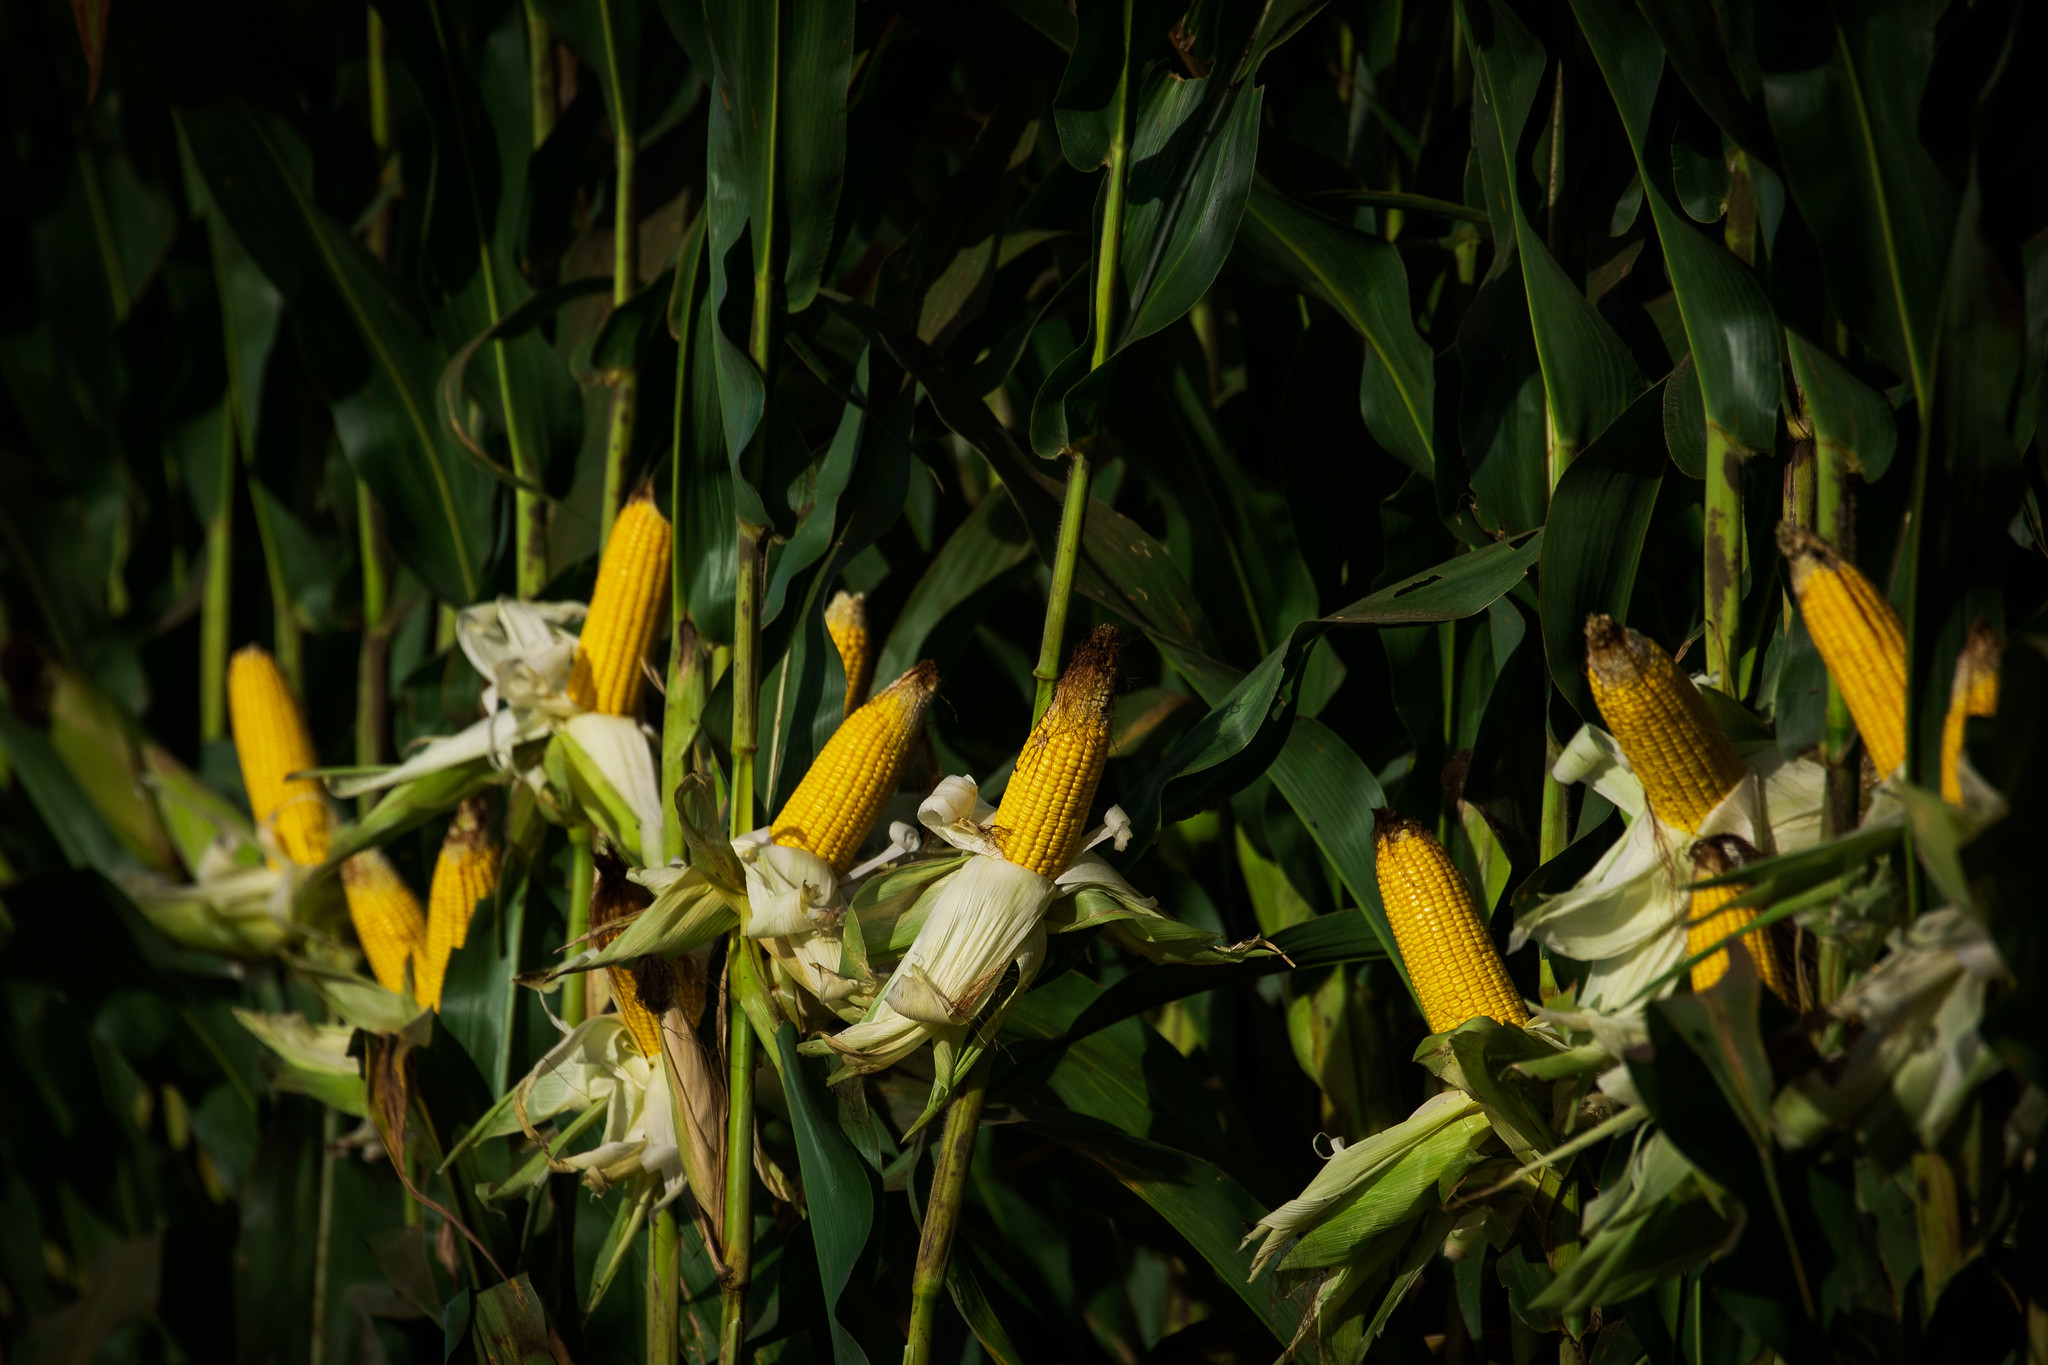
(1859, 637)
(857, 771)
(1974, 693)
(1708, 921)
(642, 992)
(846, 621)
(625, 609)
(271, 743)
(465, 872)
(1679, 752)
(1457, 972)
(387, 915)
(1044, 811)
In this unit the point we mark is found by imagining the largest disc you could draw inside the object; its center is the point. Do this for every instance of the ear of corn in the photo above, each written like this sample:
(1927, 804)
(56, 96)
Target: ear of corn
(1044, 811)
(1709, 921)
(271, 743)
(856, 773)
(1457, 972)
(1678, 751)
(643, 992)
(1859, 638)
(625, 609)
(465, 872)
(846, 621)
(388, 919)
(1973, 694)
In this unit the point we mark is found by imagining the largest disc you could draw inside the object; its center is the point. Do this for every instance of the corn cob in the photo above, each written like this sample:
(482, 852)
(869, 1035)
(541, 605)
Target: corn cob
(387, 916)
(1457, 972)
(642, 992)
(632, 580)
(846, 621)
(1672, 741)
(1045, 808)
(465, 872)
(1708, 921)
(1974, 693)
(857, 771)
(271, 742)
(1859, 638)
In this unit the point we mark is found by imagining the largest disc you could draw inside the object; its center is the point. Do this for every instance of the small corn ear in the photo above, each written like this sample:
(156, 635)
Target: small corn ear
(271, 743)
(857, 771)
(846, 621)
(1457, 972)
(465, 872)
(387, 915)
(1044, 811)
(1678, 751)
(1974, 693)
(625, 610)
(1708, 921)
(643, 991)
(1859, 637)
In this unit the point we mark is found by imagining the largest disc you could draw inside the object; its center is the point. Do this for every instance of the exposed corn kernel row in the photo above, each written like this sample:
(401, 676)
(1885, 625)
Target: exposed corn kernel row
(640, 1021)
(465, 872)
(387, 915)
(625, 609)
(1974, 693)
(853, 777)
(613, 899)
(846, 621)
(1681, 755)
(271, 743)
(1708, 921)
(1044, 811)
(1859, 638)
(1457, 972)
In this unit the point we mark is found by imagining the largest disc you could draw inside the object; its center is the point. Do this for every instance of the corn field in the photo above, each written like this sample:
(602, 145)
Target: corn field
(1030, 681)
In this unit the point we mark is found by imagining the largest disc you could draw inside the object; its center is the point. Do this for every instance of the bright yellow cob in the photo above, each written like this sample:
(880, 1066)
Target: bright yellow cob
(271, 742)
(846, 621)
(464, 873)
(632, 580)
(1681, 755)
(1708, 921)
(1456, 970)
(1859, 638)
(857, 771)
(1974, 693)
(642, 992)
(1045, 808)
(387, 915)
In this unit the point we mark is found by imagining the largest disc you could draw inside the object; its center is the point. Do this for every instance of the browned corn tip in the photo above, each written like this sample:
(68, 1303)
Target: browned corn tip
(642, 990)
(1044, 811)
(1708, 921)
(1456, 971)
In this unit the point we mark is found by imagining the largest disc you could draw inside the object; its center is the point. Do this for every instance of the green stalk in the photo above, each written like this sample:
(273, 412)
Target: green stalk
(1072, 517)
(582, 873)
(942, 1212)
(745, 989)
(664, 1247)
(1723, 561)
(373, 661)
(540, 73)
(746, 676)
(625, 278)
(284, 622)
(323, 1236)
(103, 225)
(213, 610)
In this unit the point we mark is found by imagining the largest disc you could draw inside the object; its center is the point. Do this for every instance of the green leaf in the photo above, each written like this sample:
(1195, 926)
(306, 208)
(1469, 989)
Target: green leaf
(511, 1326)
(82, 836)
(817, 61)
(1848, 415)
(837, 1189)
(980, 553)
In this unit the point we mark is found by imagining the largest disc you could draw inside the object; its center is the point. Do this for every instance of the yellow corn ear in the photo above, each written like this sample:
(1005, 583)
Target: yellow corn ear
(1457, 972)
(857, 771)
(625, 609)
(387, 915)
(271, 743)
(1974, 693)
(640, 1021)
(644, 990)
(846, 621)
(465, 872)
(1708, 920)
(1044, 811)
(1681, 755)
(1859, 638)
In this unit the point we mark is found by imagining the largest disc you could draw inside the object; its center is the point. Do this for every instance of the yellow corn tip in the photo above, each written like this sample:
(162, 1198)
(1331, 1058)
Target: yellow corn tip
(1457, 972)
(387, 915)
(846, 621)
(1708, 921)
(1044, 811)
(632, 579)
(464, 873)
(1859, 638)
(1974, 693)
(1681, 755)
(271, 742)
(856, 773)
